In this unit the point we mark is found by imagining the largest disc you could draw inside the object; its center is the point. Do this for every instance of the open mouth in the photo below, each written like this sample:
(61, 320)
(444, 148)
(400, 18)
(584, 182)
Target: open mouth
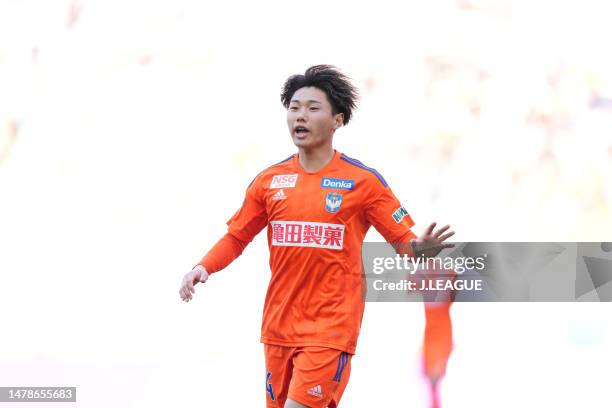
(301, 130)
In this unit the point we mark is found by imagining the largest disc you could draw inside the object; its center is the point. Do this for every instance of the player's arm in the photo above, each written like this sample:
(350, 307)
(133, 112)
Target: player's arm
(244, 225)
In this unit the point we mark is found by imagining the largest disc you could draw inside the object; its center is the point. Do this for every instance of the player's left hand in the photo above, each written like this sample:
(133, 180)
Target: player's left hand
(431, 242)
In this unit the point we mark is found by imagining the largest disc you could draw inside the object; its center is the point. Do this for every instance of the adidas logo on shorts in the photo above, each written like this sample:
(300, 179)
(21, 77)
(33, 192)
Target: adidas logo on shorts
(316, 391)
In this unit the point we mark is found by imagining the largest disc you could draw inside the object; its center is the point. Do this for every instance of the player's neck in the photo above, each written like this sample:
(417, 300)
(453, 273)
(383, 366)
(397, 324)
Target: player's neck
(314, 159)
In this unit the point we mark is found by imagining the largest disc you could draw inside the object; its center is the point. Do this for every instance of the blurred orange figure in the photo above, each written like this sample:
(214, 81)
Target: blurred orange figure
(437, 345)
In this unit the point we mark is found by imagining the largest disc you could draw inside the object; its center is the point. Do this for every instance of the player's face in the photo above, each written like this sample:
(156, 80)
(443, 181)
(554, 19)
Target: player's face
(310, 118)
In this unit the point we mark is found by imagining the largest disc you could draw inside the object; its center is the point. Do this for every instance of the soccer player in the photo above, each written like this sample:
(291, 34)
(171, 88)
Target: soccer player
(437, 346)
(317, 206)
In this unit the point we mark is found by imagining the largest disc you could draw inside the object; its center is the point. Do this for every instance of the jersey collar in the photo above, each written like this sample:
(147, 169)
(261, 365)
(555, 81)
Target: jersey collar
(332, 163)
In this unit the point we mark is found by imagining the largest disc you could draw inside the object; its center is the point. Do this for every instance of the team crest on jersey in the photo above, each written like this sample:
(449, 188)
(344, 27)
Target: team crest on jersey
(284, 181)
(332, 202)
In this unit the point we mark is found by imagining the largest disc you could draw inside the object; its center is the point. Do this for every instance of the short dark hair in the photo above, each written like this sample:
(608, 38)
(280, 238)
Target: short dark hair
(342, 95)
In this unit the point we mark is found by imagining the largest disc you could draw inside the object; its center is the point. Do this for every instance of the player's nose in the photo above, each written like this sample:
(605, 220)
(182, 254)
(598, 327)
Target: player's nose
(301, 114)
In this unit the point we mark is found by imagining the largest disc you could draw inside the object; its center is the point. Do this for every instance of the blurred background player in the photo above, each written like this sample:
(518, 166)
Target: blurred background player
(437, 346)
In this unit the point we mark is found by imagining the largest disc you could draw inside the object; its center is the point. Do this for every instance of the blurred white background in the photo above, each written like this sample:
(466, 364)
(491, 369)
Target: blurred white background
(129, 131)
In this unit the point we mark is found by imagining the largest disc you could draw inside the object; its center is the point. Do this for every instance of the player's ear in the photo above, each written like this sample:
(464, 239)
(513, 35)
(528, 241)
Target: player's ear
(339, 120)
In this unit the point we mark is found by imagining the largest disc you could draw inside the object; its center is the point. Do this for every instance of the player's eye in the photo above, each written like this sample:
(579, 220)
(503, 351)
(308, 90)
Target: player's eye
(314, 108)
(293, 108)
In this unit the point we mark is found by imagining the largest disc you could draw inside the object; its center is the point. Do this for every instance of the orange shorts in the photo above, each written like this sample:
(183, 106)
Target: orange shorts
(313, 376)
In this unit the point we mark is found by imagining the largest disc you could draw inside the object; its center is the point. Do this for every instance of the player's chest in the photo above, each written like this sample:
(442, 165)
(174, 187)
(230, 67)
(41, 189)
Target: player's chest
(322, 198)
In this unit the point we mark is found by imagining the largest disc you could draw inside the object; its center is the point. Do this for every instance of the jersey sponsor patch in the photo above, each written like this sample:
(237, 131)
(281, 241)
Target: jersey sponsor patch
(307, 234)
(399, 214)
(332, 202)
(284, 181)
(339, 184)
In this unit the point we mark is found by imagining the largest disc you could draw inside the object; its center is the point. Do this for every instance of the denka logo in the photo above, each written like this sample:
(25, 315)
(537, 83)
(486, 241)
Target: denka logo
(284, 181)
(340, 184)
(399, 214)
(307, 234)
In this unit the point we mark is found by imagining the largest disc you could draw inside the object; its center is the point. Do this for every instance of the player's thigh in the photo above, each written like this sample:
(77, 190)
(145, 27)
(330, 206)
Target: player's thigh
(279, 368)
(320, 375)
(294, 404)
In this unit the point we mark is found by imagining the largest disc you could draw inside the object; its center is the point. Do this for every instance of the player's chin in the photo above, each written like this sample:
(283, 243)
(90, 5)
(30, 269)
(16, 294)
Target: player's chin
(303, 140)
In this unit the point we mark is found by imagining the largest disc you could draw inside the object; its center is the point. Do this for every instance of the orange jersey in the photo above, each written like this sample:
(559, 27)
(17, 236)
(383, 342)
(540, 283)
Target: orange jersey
(316, 224)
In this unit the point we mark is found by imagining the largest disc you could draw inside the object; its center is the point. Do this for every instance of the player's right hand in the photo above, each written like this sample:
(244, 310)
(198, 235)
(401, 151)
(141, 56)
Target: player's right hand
(197, 274)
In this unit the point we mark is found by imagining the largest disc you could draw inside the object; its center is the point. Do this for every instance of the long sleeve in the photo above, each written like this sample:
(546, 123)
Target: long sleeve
(242, 227)
(223, 253)
(388, 216)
